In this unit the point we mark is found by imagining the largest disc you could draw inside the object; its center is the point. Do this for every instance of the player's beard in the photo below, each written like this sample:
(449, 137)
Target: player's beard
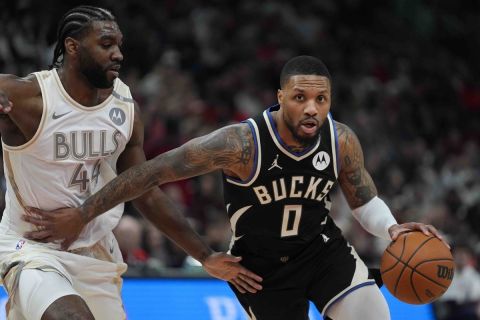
(93, 71)
(305, 141)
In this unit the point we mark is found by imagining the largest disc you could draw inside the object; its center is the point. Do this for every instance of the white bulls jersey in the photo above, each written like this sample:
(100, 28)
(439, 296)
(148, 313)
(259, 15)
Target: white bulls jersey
(72, 155)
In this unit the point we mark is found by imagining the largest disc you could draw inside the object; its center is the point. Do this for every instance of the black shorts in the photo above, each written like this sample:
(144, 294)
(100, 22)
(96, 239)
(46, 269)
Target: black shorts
(322, 273)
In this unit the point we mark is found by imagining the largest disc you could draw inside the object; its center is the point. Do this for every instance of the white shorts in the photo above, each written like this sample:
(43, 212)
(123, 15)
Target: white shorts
(35, 276)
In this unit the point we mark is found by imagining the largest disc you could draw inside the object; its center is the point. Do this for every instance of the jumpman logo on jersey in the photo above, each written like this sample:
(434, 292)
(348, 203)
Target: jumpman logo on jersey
(275, 164)
(325, 238)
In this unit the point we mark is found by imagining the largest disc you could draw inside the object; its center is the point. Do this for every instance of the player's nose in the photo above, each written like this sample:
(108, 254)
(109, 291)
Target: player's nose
(117, 55)
(310, 108)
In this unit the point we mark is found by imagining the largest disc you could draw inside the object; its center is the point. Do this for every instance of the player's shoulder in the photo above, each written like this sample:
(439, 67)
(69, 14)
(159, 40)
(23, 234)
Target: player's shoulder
(20, 87)
(229, 137)
(242, 127)
(344, 132)
(29, 81)
(236, 131)
(121, 88)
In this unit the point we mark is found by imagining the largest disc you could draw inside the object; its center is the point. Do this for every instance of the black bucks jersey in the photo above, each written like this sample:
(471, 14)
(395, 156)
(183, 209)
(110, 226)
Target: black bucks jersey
(285, 204)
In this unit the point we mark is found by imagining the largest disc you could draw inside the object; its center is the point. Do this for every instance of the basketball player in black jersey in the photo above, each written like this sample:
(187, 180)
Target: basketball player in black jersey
(278, 169)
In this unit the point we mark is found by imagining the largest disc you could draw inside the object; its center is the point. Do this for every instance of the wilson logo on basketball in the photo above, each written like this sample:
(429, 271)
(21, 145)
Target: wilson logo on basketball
(445, 272)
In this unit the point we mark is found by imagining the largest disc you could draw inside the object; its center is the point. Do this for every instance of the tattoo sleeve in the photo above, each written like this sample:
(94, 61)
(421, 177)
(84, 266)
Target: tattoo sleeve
(227, 148)
(355, 181)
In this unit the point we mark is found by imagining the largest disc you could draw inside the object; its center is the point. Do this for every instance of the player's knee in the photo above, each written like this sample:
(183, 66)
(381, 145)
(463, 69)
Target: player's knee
(364, 303)
(70, 307)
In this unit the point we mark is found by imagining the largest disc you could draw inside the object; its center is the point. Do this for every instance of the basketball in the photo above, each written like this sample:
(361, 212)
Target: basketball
(416, 268)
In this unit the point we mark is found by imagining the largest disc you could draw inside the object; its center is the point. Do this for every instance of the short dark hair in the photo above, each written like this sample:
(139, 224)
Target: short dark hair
(73, 24)
(303, 65)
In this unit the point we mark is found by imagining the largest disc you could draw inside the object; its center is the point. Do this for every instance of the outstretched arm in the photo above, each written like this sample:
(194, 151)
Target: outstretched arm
(361, 194)
(229, 148)
(221, 149)
(196, 157)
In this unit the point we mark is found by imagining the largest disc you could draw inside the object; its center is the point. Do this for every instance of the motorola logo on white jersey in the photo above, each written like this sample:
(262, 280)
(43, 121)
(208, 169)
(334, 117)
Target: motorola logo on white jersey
(117, 116)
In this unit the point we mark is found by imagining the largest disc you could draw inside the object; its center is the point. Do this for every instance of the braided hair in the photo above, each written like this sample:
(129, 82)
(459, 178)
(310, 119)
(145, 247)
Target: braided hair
(74, 24)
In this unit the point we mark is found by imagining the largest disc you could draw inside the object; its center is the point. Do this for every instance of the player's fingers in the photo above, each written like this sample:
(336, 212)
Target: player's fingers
(424, 229)
(434, 231)
(35, 220)
(245, 285)
(40, 236)
(238, 287)
(437, 234)
(252, 282)
(230, 258)
(44, 214)
(250, 274)
(397, 232)
(446, 243)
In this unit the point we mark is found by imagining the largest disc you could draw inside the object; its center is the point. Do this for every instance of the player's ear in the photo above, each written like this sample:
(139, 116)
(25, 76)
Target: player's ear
(280, 96)
(71, 46)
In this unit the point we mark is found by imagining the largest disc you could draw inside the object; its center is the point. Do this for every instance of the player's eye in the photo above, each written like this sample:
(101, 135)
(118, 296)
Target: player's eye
(299, 97)
(321, 98)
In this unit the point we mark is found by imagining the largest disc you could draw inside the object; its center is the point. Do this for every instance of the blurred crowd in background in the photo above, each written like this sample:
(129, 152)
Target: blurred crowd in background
(405, 79)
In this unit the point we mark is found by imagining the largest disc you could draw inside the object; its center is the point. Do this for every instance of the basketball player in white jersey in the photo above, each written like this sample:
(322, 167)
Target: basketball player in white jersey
(278, 170)
(65, 133)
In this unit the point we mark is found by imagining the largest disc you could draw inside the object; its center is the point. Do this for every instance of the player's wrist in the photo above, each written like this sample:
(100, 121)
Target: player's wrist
(376, 218)
(86, 214)
(208, 252)
(391, 229)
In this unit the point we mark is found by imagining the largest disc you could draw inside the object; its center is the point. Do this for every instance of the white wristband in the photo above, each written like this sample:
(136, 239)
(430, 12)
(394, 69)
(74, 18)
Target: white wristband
(375, 217)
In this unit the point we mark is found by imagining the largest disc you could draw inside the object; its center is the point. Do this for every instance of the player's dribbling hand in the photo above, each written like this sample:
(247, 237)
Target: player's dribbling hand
(5, 104)
(227, 267)
(64, 224)
(427, 229)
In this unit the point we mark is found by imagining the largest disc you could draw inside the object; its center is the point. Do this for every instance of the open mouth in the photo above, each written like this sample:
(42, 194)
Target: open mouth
(309, 126)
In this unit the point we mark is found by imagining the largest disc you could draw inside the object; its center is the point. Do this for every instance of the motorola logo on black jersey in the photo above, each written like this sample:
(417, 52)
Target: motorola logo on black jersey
(321, 160)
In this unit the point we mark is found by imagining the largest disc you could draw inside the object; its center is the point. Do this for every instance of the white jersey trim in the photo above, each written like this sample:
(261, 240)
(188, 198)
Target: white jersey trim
(233, 223)
(333, 139)
(279, 144)
(249, 182)
(10, 175)
(132, 116)
(360, 279)
(118, 93)
(77, 105)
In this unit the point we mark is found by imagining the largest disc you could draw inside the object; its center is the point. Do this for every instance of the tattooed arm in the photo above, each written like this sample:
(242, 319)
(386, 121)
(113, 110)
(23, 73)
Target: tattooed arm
(361, 194)
(355, 181)
(228, 148)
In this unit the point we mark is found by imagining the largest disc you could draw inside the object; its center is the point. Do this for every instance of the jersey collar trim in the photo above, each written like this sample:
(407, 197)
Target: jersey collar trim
(75, 103)
(334, 140)
(272, 128)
